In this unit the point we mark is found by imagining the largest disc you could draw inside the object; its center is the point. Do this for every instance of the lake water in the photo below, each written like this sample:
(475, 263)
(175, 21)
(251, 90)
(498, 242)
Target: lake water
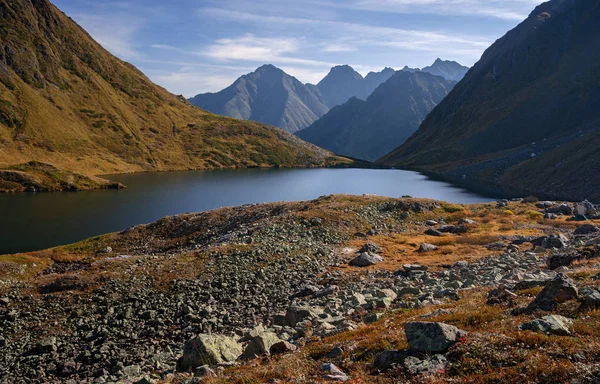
(31, 221)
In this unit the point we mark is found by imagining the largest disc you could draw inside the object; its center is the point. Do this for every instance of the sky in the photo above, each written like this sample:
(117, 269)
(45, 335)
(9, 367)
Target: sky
(196, 46)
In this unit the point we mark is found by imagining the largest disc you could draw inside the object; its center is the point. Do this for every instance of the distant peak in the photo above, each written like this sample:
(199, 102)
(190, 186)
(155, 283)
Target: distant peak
(342, 68)
(438, 60)
(268, 67)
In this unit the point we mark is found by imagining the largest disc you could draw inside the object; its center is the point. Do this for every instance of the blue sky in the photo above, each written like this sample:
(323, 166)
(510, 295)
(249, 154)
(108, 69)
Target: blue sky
(196, 46)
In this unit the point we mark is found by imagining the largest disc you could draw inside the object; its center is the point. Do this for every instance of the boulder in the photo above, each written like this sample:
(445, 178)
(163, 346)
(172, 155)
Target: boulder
(552, 325)
(366, 259)
(209, 350)
(556, 291)
(585, 208)
(587, 229)
(282, 347)
(431, 337)
(260, 345)
(425, 247)
(467, 222)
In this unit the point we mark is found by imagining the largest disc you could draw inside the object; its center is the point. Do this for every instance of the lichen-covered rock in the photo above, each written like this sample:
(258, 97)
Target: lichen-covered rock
(209, 350)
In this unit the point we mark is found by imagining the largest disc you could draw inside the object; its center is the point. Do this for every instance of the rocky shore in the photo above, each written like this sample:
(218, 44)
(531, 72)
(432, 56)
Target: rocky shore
(358, 289)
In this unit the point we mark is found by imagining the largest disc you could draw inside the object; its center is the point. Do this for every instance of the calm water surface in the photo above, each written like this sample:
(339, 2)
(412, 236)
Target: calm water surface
(36, 221)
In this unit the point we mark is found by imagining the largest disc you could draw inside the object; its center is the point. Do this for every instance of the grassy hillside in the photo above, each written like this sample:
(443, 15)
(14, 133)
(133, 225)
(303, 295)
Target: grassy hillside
(66, 101)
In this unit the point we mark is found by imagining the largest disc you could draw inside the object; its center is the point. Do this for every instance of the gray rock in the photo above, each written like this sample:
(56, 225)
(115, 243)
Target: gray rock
(366, 259)
(331, 372)
(590, 297)
(295, 314)
(132, 371)
(370, 247)
(431, 223)
(431, 337)
(334, 353)
(260, 345)
(556, 291)
(552, 324)
(425, 247)
(585, 208)
(209, 350)
(467, 221)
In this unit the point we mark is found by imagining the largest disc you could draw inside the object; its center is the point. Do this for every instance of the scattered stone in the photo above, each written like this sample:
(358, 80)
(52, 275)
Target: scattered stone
(4, 301)
(431, 337)
(331, 372)
(335, 353)
(467, 221)
(556, 291)
(366, 259)
(585, 208)
(587, 229)
(433, 232)
(282, 347)
(446, 228)
(431, 223)
(552, 325)
(209, 350)
(47, 345)
(425, 247)
(372, 318)
(205, 371)
(370, 247)
(295, 314)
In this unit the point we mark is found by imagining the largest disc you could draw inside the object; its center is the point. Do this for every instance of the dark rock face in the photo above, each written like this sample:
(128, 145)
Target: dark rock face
(269, 96)
(527, 113)
(370, 129)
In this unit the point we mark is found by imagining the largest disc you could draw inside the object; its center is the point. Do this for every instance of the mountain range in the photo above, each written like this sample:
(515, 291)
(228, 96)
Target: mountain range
(66, 101)
(526, 118)
(372, 128)
(270, 96)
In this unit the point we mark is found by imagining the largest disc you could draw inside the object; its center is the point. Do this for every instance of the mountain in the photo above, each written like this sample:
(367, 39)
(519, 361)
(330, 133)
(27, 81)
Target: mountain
(526, 117)
(370, 129)
(340, 84)
(343, 83)
(66, 101)
(268, 95)
(450, 70)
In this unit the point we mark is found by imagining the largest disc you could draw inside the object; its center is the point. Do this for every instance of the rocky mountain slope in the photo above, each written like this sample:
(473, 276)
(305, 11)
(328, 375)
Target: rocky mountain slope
(526, 116)
(372, 128)
(343, 83)
(66, 101)
(449, 70)
(268, 95)
(359, 289)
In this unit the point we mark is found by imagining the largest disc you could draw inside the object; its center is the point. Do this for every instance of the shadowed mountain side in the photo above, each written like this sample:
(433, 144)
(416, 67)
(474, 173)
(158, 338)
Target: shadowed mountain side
(369, 129)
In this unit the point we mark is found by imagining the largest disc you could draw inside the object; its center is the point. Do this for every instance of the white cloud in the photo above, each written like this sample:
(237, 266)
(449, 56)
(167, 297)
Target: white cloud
(266, 50)
(365, 35)
(333, 48)
(513, 10)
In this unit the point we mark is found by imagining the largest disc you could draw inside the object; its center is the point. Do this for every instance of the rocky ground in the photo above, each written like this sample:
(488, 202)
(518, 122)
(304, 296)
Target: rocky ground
(358, 289)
